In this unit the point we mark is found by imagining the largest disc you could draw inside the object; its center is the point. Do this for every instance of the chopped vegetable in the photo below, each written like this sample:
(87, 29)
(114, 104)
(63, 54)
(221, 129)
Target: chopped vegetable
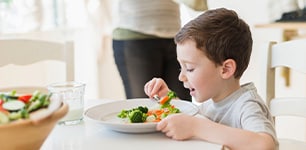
(3, 110)
(3, 118)
(15, 115)
(151, 118)
(123, 114)
(143, 114)
(25, 98)
(165, 101)
(137, 116)
(14, 107)
(143, 109)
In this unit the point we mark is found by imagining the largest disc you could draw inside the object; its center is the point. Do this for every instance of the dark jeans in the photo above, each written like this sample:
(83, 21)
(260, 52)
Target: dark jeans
(138, 61)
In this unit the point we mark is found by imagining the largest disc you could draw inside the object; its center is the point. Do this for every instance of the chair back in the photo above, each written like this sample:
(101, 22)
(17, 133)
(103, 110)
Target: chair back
(21, 54)
(290, 54)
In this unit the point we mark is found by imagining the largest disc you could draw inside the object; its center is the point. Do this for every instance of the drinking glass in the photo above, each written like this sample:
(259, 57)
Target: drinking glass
(72, 93)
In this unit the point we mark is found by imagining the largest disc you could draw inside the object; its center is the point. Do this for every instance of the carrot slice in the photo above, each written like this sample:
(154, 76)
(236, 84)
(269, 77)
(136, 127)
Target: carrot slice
(164, 100)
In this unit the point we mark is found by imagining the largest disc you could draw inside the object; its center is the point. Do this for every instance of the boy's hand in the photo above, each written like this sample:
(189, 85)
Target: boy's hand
(177, 126)
(156, 86)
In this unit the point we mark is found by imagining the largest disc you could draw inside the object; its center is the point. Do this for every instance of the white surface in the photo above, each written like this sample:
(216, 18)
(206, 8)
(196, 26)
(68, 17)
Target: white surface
(106, 114)
(91, 136)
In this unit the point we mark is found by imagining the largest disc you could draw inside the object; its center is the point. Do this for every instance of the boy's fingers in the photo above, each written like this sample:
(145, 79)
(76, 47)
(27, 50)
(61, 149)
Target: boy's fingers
(148, 88)
(161, 125)
(158, 83)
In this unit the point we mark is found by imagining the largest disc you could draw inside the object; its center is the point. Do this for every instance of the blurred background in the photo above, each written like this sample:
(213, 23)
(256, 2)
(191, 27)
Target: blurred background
(90, 22)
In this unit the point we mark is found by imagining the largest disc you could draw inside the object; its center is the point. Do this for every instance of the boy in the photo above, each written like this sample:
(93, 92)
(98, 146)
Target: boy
(213, 51)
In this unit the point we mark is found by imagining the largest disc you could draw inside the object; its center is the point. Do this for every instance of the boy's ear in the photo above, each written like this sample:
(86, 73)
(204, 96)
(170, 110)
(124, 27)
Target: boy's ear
(228, 68)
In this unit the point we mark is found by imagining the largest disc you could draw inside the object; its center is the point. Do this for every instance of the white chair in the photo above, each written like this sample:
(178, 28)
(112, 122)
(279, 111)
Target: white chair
(26, 53)
(291, 54)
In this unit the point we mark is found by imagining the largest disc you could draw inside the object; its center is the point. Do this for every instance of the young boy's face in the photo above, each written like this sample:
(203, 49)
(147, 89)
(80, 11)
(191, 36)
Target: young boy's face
(199, 74)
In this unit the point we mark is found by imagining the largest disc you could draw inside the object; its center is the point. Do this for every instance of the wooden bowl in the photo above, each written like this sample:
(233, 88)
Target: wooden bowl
(29, 134)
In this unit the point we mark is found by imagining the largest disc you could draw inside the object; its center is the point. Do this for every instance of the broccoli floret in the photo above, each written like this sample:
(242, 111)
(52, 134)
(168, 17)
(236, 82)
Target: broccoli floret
(123, 114)
(171, 94)
(173, 110)
(136, 116)
(143, 109)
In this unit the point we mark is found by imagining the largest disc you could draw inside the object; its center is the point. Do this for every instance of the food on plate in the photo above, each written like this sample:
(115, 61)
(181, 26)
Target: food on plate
(165, 101)
(142, 114)
(135, 115)
(14, 107)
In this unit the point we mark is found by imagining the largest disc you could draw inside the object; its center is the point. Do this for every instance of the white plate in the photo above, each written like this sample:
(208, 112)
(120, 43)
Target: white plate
(106, 114)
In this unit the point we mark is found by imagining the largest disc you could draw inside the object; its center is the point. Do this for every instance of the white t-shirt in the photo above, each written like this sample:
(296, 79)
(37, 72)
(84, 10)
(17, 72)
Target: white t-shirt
(154, 17)
(243, 109)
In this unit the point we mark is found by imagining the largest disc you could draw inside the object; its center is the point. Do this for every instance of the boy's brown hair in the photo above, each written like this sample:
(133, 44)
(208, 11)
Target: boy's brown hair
(221, 35)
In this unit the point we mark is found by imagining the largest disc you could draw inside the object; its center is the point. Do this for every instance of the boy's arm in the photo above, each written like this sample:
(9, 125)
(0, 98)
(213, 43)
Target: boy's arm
(233, 138)
(197, 5)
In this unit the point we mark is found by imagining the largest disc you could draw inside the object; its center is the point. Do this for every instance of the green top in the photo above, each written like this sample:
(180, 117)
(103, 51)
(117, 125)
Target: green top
(126, 34)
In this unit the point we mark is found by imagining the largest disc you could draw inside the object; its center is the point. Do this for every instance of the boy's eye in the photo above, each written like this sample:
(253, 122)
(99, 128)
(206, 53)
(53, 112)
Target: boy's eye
(189, 70)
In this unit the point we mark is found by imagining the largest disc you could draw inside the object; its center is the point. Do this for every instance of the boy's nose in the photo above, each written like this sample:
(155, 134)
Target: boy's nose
(182, 77)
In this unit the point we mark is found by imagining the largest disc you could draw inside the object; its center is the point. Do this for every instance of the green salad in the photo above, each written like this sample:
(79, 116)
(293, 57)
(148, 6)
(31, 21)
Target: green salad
(14, 107)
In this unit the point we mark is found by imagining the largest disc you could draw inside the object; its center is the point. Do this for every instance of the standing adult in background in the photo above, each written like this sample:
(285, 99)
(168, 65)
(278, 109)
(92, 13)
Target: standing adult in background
(143, 43)
(292, 11)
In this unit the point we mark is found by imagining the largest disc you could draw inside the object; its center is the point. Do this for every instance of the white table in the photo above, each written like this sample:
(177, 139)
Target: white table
(89, 136)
